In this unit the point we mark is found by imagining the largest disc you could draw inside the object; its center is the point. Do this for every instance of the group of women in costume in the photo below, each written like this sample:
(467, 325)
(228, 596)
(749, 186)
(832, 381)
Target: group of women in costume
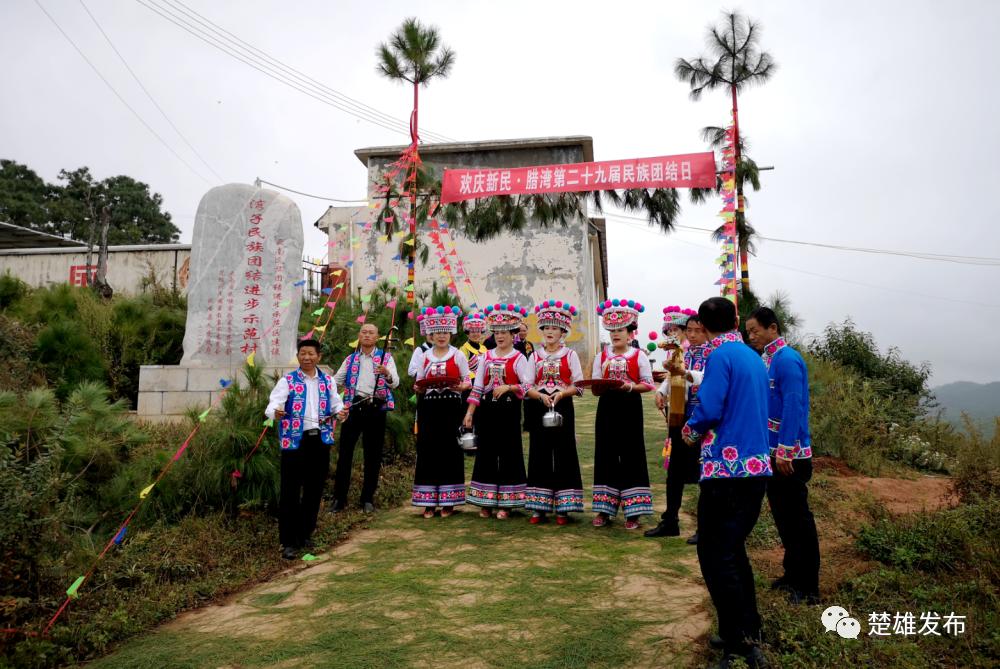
(486, 389)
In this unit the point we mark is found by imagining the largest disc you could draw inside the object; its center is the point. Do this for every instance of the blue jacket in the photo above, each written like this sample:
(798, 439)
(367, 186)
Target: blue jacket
(730, 420)
(788, 413)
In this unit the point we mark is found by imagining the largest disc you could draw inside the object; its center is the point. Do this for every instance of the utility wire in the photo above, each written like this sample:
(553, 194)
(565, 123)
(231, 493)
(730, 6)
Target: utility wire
(919, 255)
(148, 94)
(353, 102)
(317, 197)
(248, 57)
(118, 95)
(817, 274)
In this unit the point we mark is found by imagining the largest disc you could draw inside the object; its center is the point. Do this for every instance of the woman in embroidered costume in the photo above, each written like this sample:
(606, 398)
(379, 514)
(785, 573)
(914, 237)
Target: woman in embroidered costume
(504, 377)
(439, 479)
(474, 348)
(621, 477)
(554, 483)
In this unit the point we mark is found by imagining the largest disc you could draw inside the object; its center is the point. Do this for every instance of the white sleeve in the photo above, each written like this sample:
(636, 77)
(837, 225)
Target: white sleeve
(279, 395)
(532, 369)
(416, 361)
(664, 387)
(697, 376)
(575, 370)
(463, 365)
(480, 381)
(337, 404)
(421, 370)
(597, 372)
(391, 366)
(525, 371)
(645, 370)
(341, 376)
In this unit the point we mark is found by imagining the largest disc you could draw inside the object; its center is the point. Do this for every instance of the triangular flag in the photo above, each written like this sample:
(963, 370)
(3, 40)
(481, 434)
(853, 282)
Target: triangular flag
(408, 342)
(145, 491)
(354, 344)
(372, 277)
(120, 537)
(250, 358)
(366, 298)
(361, 318)
(391, 304)
(339, 285)
(383, 238)
(225, 383)
(338, 272)
(318, 312)
(71, 590)
(327, 291)
(409, 242)
(331, 305)
(320, 328)
(269, 422)
(307, 335)
(309, 557)
(203, 415)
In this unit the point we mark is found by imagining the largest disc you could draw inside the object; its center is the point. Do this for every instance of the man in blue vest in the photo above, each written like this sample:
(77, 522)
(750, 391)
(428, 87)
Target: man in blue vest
(730, 424)
(304, 403)
(367, 377)
(791, 457)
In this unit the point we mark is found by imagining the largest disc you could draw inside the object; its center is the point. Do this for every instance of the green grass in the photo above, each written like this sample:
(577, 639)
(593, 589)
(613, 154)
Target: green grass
(462, 591)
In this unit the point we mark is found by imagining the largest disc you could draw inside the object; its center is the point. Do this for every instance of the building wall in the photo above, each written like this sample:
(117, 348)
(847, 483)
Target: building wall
(129, 267)
(524, 268)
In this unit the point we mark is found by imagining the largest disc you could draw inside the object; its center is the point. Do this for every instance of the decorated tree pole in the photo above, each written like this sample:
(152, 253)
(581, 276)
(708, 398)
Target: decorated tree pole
(414, 54)
(738, 62)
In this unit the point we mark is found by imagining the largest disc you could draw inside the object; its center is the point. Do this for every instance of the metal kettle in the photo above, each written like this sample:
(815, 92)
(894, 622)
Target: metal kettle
(467, 440)
(552, 418)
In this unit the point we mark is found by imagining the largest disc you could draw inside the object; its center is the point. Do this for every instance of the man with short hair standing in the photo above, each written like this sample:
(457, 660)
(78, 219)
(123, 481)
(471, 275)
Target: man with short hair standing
(791, 457)
(304, 403)
(730, 424)
(367, 376)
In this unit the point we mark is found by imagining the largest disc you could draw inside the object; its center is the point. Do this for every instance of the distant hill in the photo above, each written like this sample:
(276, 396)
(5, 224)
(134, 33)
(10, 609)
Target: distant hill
(980, 400)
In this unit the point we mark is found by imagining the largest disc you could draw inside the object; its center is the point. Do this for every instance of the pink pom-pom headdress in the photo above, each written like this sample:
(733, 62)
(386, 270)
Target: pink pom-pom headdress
(617, 314)
(505, 317)
(555, 312)
(441, 319)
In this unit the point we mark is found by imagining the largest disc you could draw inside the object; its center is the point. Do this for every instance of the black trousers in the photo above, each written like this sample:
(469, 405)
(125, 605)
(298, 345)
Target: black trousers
(303, 473)
(367, 422)
(789, 500)
(727, 511)
(683, 469)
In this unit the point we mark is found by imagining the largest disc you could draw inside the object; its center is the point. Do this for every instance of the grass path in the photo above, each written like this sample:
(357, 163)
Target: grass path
(461, 591)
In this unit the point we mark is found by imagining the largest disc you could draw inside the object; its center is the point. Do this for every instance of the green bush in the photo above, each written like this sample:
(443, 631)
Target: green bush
(12, 290)
(69, 356)
(977, 471)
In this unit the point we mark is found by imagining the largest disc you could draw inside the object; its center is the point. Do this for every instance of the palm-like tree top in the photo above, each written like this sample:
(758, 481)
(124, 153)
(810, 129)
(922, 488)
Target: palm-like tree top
(738, 60)
(414, 53)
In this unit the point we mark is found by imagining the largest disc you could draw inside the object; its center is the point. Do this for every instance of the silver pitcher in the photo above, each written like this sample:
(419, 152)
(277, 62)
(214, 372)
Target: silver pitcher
(552, 418)
(467, 440)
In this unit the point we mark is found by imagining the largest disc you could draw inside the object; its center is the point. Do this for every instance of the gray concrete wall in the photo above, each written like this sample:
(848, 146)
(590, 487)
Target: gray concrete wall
(129, 267)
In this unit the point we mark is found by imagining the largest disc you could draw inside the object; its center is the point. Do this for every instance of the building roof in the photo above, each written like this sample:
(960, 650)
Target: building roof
(17, 237)
(587, 143)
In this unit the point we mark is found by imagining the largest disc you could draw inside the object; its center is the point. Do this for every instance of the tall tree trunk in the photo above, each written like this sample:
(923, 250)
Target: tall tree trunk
(741, 243)
(101, 286)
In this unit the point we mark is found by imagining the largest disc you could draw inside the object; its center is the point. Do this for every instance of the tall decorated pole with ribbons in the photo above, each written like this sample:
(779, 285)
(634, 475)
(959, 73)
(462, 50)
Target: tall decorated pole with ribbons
(413, 54)
(727, 261)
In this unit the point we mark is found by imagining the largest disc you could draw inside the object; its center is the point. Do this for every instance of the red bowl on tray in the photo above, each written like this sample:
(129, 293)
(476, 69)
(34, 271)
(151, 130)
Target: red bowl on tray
(598, 386)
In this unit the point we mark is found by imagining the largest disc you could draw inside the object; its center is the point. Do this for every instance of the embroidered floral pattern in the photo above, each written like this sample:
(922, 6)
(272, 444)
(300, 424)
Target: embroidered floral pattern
(752, 465)
(483, 494)
(773, 424)
(771, 349)
(445, 495)
(633, 501)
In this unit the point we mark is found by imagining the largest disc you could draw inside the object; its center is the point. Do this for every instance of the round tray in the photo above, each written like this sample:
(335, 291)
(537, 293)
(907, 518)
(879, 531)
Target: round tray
(598, 386)
(429, 384)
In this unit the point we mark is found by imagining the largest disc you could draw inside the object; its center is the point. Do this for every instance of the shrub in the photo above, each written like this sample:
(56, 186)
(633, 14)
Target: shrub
(12, 290)
(977, 471)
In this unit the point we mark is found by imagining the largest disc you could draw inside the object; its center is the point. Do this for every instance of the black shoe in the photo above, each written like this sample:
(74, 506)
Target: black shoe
(665, 528)
(289, 553)
(693, 539)
(336, 505)
(780, 583)
(715, 641)
(754, 659)
(369, 507)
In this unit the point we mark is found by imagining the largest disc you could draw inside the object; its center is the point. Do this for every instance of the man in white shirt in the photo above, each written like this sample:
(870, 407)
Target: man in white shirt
(367, 377)
(303, 403)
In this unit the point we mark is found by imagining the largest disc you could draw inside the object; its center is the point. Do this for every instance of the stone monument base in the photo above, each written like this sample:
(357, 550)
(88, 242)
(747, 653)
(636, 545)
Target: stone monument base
(167, 392)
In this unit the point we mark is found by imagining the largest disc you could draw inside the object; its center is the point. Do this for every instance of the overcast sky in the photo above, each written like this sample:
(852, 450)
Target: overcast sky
(880, 124)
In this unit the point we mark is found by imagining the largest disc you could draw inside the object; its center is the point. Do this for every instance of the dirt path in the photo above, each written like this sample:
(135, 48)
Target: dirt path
(461, 592)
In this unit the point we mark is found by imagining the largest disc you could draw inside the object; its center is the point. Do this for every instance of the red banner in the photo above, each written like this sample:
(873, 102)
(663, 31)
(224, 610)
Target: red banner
(689, 170)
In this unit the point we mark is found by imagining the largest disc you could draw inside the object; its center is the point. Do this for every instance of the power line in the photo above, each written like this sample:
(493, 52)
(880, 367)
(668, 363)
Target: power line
(943, 257)
(817, 274)
(301, 75)
(317, 197)
(148, 94)
(251, 58)
(118, 95)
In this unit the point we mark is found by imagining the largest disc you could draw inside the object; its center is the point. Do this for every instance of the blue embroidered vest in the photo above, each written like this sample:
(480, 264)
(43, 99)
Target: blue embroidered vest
(382, 390)
(291, 426)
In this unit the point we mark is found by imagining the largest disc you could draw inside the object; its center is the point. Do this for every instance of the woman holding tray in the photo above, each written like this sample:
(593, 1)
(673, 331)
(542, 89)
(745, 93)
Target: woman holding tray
(439, 479)
(621, 478)
(504, 376)
(554, 483)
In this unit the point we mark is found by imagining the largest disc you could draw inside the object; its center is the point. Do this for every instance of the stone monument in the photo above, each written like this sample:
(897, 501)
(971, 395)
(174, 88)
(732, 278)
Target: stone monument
(243, 298)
